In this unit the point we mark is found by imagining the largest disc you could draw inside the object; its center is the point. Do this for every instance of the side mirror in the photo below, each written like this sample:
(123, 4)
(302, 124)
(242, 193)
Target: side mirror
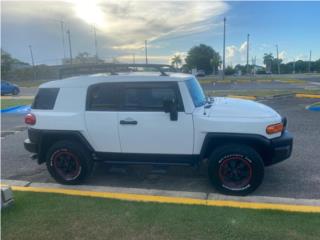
(170, 106)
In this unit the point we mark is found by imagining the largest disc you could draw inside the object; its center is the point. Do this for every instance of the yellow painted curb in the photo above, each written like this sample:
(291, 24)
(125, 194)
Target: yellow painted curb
(176, 200)
(243, 97)
(302, 95)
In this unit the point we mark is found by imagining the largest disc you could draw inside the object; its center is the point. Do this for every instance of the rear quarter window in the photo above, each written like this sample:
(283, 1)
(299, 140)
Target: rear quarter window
(45, 98)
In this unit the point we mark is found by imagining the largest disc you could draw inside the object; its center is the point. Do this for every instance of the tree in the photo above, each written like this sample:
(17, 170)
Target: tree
(315, 66)
(230, 70)
(82, 57)
(203, 57)
(6, 62)
(268, 60)
(176, 61)
(9, 64)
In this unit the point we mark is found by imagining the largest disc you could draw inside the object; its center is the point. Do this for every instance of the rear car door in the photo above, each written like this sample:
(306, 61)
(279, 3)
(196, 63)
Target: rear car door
(103, 102)
(144, 127)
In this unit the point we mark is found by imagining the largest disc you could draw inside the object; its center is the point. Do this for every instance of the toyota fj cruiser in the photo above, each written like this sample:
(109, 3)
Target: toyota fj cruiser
(147, 118)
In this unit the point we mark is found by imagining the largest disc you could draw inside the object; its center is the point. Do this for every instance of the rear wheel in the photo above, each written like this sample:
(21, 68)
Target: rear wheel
(235, 169)
(68, 162)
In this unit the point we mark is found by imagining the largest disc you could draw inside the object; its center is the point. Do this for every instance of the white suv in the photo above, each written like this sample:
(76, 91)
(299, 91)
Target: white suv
(151, 118)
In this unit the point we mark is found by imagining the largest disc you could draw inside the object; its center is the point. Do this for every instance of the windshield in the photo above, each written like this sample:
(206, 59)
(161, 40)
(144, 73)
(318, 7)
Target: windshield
(196, 92)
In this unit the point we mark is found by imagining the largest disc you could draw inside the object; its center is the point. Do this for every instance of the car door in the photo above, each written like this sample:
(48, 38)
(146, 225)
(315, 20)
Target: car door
(101, 117)
(144, 127)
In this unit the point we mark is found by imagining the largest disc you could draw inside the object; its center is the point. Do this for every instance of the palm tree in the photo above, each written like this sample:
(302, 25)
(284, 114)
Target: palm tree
(176, 61)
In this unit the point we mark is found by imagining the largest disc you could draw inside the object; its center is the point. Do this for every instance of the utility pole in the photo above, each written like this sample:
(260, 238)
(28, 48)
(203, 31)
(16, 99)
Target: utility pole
(134, 61)
(248, 53)
(254, 60)
(95, 42)
(294, 66)
(278, 59)
(146, 50)
(309, 66)
(63, 40)
(70, 49)
(32, 61)
(224, 47)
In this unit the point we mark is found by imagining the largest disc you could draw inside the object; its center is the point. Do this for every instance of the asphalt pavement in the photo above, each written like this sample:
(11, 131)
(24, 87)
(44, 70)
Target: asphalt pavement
(297, 177)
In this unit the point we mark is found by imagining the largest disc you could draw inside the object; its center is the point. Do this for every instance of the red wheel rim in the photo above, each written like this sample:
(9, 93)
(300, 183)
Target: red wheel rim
(66, 164)
(235, 172)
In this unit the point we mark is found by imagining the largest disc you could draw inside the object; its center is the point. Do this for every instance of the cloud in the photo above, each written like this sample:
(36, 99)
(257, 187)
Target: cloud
(140, 58)
(303, 57)
(283, 55)
(125, 23)
(236, 55)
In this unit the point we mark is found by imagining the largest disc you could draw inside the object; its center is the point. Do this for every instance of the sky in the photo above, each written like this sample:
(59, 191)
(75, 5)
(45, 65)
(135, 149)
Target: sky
(170, 27)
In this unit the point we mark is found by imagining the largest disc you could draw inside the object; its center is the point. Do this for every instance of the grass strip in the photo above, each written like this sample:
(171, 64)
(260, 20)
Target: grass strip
(6, 103)
(55, 216)
(259, 93)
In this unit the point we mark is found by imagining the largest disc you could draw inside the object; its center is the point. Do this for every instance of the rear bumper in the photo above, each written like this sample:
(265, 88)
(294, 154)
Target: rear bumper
(30, 146)
(281, 147)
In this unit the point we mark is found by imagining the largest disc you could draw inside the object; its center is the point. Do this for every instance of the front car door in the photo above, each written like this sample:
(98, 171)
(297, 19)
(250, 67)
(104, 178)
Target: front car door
(144, 127)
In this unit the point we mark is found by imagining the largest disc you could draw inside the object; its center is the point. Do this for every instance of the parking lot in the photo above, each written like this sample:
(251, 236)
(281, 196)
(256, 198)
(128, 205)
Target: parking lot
(297, 177)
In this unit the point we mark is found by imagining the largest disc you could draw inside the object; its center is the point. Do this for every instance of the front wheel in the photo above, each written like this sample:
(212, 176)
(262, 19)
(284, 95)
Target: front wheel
(15, 91)
(235, 169)
(68, 162)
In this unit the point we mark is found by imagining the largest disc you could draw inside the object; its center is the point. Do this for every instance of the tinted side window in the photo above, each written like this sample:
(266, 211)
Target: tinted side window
(103, 97)
(45, 98)
(149, 97)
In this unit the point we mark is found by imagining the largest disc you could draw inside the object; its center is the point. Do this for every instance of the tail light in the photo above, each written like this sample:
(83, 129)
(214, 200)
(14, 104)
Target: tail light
(30, 119)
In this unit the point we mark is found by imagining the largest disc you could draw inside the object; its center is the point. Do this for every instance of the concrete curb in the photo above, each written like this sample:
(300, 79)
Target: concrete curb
(178, 197)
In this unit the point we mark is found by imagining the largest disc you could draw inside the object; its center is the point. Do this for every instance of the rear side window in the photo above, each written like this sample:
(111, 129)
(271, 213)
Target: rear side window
(138, 96)
(148, 98)
(45, 98)
(103, 97)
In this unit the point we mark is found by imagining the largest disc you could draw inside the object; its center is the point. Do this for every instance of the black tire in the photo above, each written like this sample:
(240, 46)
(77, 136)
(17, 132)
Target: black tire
(15, 91)
(235, 169)
(68, 162)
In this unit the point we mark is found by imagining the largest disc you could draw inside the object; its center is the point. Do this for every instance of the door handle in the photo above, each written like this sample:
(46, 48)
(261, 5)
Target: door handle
(128, 122)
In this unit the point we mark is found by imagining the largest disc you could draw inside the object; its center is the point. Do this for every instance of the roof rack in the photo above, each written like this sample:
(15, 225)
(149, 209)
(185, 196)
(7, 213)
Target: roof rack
(163, 73)
(112, 68)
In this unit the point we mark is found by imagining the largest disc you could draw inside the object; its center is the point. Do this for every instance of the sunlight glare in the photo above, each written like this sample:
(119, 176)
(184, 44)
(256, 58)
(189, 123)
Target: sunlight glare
(90, 12)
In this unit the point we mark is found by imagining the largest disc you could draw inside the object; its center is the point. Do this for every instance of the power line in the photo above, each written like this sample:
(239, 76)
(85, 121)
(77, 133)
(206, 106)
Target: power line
(224, 47)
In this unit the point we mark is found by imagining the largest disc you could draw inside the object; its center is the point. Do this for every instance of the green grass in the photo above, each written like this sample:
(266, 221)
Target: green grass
(6, 103)
(259, 93)
(285, 78)
(317, 104)
(30, 83)
(54, 216)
